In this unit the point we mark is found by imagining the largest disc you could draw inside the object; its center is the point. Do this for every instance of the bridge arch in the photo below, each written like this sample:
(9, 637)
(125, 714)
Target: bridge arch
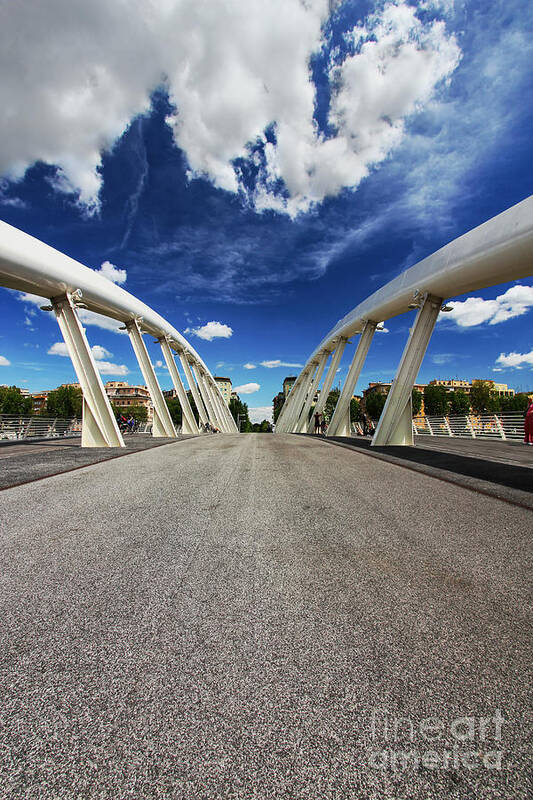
(29, 265)
(497, 251)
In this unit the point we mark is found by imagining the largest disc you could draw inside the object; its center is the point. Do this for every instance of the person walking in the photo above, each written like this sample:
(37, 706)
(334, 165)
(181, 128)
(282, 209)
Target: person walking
(317, 422)
(528, 422)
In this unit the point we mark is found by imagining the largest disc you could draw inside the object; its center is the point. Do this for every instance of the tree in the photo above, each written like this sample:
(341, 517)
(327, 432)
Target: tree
(277, 409)
(138, 412)
(174, 407)
(374, 404)
(355, 410)
(239, 412)
(435, 400)
(12, 401)
(483, 398)
(518, 402)
(64, 402)
(460, 403)
(331, 403)
(416, 399)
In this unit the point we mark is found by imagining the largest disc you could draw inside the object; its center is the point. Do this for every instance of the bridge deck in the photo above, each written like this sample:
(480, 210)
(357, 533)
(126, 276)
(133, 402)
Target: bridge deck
(221, 617)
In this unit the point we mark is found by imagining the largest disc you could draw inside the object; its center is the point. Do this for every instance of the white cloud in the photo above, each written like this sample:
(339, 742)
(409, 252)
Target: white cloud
(90, 68)
(517, 360)
(247, 388)
(107, 368)
(249, 366)
(99, 353)
(4, 362)
(58, 349)
(277, 363)
(515, 302)
(211, 330)
(260, 413)
(112, 273)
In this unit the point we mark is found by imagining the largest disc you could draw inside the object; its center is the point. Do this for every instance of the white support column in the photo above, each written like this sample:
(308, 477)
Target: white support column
(99, 428)
(395, 425)
(293, 412)
(162, 424)
(188, 422)
(206, 397)
(286, 405)
(202, 413)
(220, 406)
(328, 380)
(339, 425)
(302, 423)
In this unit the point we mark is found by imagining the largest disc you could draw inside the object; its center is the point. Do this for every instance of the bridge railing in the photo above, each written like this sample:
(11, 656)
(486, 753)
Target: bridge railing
(472, 426)
(14, 427)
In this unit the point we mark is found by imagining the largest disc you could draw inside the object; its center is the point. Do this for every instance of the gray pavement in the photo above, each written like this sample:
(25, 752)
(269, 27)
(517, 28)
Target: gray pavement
(29, 460)
(262, 617)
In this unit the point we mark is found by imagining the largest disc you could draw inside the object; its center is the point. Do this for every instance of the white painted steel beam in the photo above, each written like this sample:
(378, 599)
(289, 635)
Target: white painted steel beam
(188, 422)
(206, 397)
(297, 397)
(340, 421)
(303, 420)
(395, 426)
(202, 413)
(99, 427)
(220, 407)
(162, 424)
(328, 381)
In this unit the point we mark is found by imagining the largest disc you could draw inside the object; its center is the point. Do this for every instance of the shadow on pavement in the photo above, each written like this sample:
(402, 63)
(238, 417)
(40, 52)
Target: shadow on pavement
(470, 471)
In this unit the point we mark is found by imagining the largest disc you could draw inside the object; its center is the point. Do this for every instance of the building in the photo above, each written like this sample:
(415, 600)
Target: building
(384, 388)
(39, 401)
(122, 395)
(224, 384)
(235, 396)
(287, 384)
(466, 386)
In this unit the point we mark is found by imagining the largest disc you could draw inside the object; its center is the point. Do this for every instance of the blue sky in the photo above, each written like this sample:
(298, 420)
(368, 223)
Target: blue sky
(265, 167)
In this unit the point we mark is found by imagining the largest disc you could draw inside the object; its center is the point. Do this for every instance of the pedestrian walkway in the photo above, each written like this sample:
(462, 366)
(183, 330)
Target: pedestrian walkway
(262, 616)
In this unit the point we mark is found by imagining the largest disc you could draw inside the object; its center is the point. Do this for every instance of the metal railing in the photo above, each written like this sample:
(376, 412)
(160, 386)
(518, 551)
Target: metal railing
(14, 427)
(473, 426)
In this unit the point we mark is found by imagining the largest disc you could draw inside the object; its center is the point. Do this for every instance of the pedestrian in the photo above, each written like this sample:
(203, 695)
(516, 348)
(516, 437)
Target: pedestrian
(528, 422)
(317, 422)
(323, 426)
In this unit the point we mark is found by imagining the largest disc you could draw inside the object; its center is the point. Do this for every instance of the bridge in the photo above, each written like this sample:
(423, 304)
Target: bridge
(269, 616)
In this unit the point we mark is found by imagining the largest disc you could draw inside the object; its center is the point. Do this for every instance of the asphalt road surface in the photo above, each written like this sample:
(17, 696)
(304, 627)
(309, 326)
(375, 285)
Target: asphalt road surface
(262, 617)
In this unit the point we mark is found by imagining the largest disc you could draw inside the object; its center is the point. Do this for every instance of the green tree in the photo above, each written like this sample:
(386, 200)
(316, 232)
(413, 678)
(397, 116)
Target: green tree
(174, 407)
(277, 410)
(483, 398)
(374, 404)
(459, 403)
(138, 412)
(64, 402)
(416, 399)
(331, 403)
(355, 410)
(435, 400)
(239, 412)
(12, 401)
(517, 402)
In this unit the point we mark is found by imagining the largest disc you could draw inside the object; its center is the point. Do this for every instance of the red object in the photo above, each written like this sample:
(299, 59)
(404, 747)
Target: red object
(528, 425)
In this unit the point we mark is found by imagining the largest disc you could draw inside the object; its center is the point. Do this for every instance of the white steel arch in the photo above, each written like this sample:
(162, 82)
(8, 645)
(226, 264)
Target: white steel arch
(29, 265)
(497, 251)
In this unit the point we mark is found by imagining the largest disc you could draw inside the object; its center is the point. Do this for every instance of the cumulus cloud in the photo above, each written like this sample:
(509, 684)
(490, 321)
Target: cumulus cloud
(99, 353)
(515, 302)
(4, 362)
(211, 330)
(277, 363)
(247, 388)
(89, 69)
(249, 366)
(260, 413)
(108, 368)
(517, 360)
(112, 273)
